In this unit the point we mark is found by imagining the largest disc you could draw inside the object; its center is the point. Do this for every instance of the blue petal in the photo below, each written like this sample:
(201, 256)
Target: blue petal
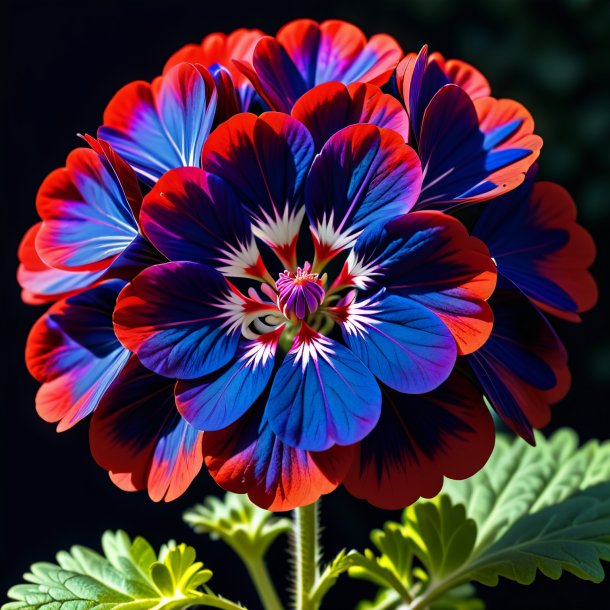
(177, 318)
(403, 343)
(364, 174)
(322, 395)
(213, 403)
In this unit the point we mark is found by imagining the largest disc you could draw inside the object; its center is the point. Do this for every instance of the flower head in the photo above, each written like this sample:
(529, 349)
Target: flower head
(294, 302)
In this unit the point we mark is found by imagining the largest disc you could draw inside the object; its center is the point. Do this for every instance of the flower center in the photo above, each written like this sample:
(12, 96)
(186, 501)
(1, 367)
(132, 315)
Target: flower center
(300, 293)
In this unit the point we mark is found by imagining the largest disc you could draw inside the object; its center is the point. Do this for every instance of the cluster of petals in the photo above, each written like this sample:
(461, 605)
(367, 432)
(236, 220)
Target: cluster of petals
(303, 261)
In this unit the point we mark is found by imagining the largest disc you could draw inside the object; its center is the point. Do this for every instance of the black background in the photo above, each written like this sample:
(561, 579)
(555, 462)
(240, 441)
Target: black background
(62, 63)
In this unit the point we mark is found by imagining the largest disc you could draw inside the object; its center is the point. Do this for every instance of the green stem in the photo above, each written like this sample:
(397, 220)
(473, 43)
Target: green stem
(307, 555)
(257, 568)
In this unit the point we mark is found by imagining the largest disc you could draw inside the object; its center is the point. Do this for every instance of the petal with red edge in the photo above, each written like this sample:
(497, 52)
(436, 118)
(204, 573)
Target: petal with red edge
(87, 220)
(463, 75)
(523, 366)
(229, 102)
(362, 175)
(264, 160)
(430, 258)
(274, 75)
(125, 175)
(418, 81)
(176, 318)
(222, 49)
(162, 126)
(73, 352)
(330, 107)
(401, 342)
(338, 51)
(418, 441)
(138, 432)
(192, 215)
(216, 401)
(43, 284)
(305, 54)
(420, 77)
(322, 395)
(473, 151)
(248, 458)
(536, 242)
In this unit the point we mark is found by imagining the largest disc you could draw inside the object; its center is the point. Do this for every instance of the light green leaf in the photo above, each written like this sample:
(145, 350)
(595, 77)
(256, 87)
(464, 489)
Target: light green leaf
(386, 599)
(129, 576)
(329, 576)
(442, 534)
(573, 535)
(391, 566)
(246, 528)
(543, 508)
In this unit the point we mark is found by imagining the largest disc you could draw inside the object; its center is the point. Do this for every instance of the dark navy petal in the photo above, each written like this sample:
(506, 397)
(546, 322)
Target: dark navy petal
(430, 258)
(363, 174)
(401, 342)
(536, 242)
(473, 151)
(73, 351)
(522, 367)
(177, 318)
(192, 215)
(419, 77)
(137, 432)
(418, 441)
(322, 395)
(138, 255)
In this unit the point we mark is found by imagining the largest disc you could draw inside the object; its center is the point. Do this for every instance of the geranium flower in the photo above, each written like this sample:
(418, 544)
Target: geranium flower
(417, 299)
(295, 302)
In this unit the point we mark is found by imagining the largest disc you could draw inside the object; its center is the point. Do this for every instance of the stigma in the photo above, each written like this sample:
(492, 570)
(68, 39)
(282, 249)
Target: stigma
(299, 294)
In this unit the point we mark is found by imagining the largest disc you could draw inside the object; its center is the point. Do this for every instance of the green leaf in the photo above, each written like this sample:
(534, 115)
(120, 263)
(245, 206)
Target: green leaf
(246, 528)
(573, 535)
(129, 576)
(443, 536)
(519, 480)
(386, 599)
(391, 566)
(329, 576)
(530, 509)
(541, 508)
(460, 598)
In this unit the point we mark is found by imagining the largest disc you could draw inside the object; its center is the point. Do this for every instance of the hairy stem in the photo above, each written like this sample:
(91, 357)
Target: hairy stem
(307, 555)
(257, 568)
